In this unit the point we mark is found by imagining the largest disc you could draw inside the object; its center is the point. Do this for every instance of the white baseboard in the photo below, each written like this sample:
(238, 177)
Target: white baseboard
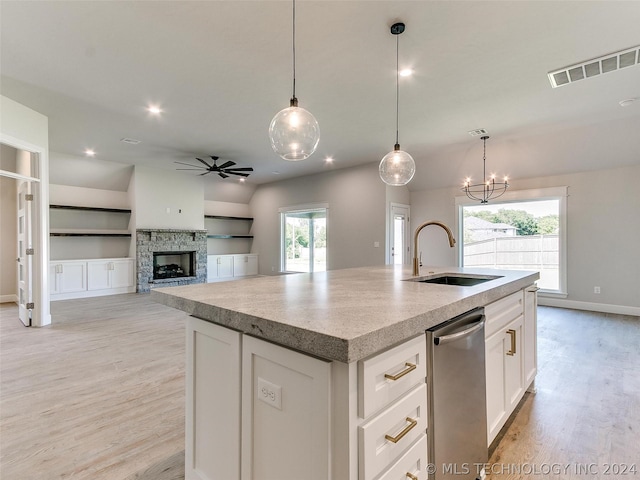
(11, 298)
(593, 307)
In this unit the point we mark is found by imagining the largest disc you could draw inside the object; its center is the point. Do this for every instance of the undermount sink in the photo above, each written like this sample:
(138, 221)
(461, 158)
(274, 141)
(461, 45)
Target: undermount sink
(461, 280)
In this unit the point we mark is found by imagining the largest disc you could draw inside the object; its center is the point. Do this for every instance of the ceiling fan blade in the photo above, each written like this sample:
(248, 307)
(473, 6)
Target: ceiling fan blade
(202, 161)
(188, 164)
(228, 163)
(205, 173)
(239, 174)
(197, 169)
(243, 169)
(223, 175)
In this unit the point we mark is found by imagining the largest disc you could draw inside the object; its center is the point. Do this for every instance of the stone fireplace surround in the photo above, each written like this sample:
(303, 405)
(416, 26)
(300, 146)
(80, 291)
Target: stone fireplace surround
(169, 240)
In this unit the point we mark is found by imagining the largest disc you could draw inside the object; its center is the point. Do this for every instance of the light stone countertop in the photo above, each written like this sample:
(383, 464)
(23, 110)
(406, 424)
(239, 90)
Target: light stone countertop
(343, 315)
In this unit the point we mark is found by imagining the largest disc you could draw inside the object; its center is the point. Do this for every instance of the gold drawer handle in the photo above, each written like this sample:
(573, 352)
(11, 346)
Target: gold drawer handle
(407, 429)
(512, 333)
(410, 368)
(411, 476)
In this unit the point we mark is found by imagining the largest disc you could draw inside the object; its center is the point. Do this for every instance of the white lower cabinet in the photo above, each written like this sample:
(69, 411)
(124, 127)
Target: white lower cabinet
(510, 357)
(212, 413)
(67, 277)
(285, 409)
(90, 278)
(221, 267)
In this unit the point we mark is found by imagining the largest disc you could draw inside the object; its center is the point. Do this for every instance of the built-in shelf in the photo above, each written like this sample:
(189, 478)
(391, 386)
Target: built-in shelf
(93, 209)
(229, 236)
(224, 217)
(88, 234)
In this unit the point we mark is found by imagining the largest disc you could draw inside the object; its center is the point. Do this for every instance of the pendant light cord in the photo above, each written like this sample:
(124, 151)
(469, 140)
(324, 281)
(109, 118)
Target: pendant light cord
(294, 49)
(397, 88)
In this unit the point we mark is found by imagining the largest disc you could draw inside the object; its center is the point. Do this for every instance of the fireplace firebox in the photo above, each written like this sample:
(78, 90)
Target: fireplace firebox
(173, 265)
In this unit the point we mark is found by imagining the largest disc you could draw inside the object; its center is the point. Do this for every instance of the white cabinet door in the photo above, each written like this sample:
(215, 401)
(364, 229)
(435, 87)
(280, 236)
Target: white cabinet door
(504, 375)
(73, 277)
(285, 411)
(495, 364)
(514, 368)
(98, 275)
(121, 273)
(212, 447)
(530, 354)
(244, 265)
(219, 266)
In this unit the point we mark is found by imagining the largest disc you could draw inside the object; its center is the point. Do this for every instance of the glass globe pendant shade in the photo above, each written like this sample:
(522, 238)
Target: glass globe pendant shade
(397, 167)
(294, 133)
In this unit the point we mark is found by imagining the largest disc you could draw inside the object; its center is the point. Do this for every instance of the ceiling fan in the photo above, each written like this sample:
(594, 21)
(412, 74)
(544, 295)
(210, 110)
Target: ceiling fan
(223, 170)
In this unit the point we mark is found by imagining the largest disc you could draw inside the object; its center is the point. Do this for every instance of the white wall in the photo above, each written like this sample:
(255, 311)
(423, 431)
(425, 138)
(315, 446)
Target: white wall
(166, 199)
(356, 198)
(8, 233)
(603, 233)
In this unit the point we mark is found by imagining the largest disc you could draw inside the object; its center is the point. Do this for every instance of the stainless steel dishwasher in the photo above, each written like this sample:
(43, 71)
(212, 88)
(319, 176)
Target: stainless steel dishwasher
(457, 428)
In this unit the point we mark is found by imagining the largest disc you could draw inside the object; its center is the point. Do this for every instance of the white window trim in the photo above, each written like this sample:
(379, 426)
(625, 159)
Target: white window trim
(513, 196)
(282, 211)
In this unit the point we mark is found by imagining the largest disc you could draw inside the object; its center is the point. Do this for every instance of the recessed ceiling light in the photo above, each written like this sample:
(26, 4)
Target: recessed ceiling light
(406, 72)
(328, 159)
(242, 180)
(154, 110)
(130, 141)
(275, 172)
(89, 152)
(627, 102)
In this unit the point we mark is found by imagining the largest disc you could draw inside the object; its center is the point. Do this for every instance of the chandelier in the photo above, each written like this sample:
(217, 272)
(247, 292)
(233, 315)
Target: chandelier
(489, 189)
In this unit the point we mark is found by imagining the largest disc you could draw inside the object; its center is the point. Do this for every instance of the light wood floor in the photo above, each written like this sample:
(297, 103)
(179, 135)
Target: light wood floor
(100, 395)
(97, 395)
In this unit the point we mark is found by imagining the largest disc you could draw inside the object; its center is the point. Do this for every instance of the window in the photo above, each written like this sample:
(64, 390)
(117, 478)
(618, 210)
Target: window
(523, 230)
(304, 239)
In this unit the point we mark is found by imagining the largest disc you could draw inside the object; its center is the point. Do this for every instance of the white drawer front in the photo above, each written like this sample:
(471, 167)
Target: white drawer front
(414, 462)
(375, 390)
(376, 451)
(503, 311)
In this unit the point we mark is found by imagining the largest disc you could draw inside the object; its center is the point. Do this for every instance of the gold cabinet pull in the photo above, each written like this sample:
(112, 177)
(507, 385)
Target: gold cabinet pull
(407, 429)
(512, 334)
(411, 476)
(410, 368)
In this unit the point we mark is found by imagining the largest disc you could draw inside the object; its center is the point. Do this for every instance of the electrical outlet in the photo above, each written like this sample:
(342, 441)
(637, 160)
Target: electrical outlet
(596, 289)
(376, 244)
(270, 393)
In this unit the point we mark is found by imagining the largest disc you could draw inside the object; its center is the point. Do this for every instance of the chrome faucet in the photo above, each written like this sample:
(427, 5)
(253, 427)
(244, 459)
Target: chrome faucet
(416, 262)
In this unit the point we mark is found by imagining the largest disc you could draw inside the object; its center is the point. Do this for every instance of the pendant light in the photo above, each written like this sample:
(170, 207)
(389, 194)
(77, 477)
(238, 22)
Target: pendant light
(397, 167)
(489, 189)
(294, 132)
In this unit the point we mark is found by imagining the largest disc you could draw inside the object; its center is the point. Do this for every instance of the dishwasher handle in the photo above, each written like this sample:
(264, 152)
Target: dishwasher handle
(458, 335)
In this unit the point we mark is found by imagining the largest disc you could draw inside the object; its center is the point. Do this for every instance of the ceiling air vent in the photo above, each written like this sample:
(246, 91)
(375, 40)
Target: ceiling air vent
(595, 67)
(130, 141)
(478, 132)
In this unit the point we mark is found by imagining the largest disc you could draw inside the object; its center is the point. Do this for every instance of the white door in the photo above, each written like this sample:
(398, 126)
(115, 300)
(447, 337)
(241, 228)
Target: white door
(399, 235)
(25, 254)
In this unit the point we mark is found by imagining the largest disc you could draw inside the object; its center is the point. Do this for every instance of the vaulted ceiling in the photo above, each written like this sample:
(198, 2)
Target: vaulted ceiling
(220, 70)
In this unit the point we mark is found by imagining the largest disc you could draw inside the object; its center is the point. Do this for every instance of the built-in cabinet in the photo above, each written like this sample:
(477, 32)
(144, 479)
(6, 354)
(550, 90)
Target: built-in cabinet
(90, 252)
(91, 278)
(510, 355)
(225, 267)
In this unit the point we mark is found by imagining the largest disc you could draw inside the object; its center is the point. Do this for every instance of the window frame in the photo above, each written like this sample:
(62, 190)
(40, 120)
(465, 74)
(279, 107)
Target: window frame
(283, 211)
(515, 196)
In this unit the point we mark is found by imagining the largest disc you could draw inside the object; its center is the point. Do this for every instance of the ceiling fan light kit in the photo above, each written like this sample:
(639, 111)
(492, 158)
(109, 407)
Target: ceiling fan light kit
(294, 132)
(397, 167)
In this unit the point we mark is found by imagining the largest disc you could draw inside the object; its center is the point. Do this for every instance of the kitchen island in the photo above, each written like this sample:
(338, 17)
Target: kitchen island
(286, 374)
